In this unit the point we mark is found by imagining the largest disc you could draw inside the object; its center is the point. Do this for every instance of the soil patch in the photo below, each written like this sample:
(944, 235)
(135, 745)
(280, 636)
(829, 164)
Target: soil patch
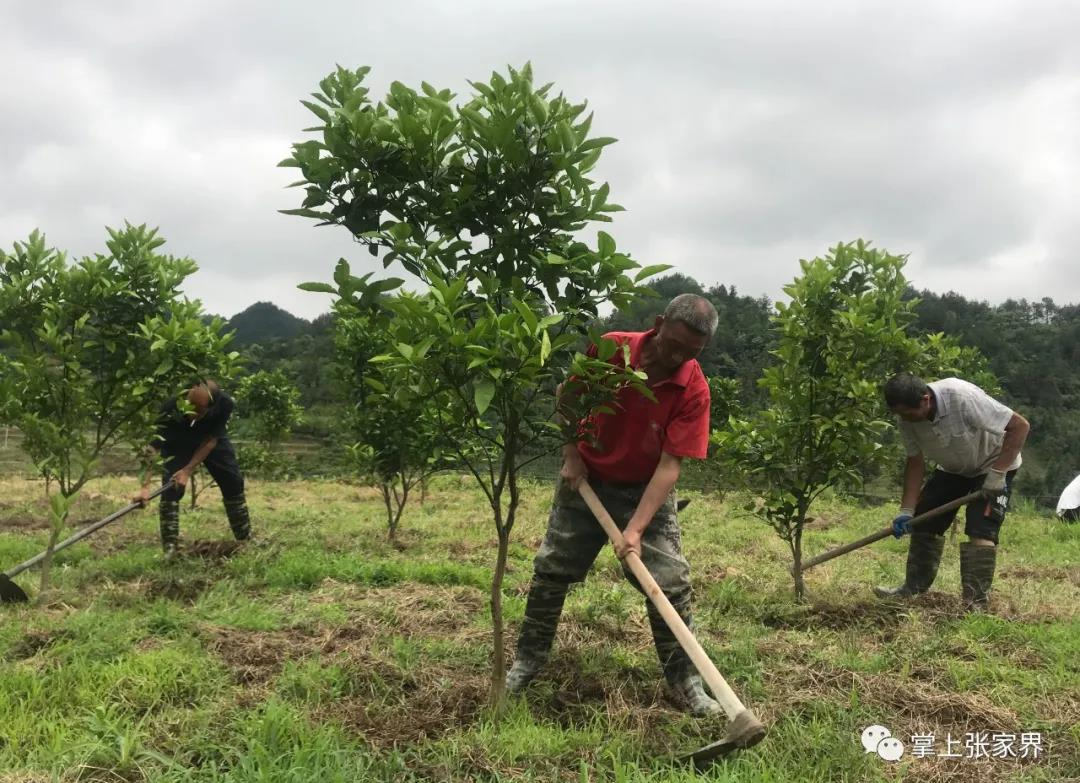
(869, 615)
(1046, 573)
(406, 610)
(825, 521)
(414, 609)
(115, 539)
(34, 642)
(428, 706)
(24, 523)
(211, 550)
(177, 588)
(256, 657)
(923, 705)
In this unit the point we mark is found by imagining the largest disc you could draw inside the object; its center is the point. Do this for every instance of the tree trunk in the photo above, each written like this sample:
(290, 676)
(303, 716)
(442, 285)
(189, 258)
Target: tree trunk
(400, 503)
(797, 570)
(498, 669)
(46, 564)
(391, 522)
(423, 490)
(194, 491)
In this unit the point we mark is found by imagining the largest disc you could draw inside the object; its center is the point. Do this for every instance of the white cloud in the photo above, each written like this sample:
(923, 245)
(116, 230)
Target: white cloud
(752, 134)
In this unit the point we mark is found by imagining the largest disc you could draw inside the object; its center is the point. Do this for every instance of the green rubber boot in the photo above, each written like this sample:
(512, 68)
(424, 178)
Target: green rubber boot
(977, 566)
(924, 558)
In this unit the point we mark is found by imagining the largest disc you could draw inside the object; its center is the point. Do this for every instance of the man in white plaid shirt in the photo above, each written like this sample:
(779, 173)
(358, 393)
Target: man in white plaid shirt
(975, 442)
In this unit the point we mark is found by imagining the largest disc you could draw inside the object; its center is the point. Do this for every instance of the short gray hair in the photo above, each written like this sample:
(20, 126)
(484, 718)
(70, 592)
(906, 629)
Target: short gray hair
(695, 311)
(905, 389)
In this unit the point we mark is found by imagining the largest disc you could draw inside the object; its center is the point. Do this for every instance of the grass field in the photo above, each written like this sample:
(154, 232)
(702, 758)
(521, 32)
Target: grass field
(326, 654)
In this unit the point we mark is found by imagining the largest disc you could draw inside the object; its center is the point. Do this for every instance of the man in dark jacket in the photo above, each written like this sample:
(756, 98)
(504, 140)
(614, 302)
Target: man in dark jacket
(191, 435)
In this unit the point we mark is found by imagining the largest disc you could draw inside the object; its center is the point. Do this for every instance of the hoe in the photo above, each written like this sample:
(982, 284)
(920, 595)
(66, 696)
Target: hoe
(886, 532)
(744, 729)
(11, 593)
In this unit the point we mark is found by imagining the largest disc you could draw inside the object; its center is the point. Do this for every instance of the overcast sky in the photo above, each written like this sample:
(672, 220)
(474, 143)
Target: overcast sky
(751, 134)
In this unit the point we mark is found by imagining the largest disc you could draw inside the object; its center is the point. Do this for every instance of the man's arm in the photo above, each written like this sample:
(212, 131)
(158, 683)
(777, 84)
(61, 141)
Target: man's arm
(181, 476)
(1016, 432)
(914, 472)
(150, 453)
(659, 488)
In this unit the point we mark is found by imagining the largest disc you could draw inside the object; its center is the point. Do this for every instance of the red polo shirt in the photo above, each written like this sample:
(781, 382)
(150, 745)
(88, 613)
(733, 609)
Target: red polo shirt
(633, 438)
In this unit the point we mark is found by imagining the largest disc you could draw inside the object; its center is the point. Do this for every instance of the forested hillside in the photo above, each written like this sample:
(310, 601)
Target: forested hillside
(264, 322)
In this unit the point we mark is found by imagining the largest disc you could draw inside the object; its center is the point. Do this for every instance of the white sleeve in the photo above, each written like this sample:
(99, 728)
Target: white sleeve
(983, 412)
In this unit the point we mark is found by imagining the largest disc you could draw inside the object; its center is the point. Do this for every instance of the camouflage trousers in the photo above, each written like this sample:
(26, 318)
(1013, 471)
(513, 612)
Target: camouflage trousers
(222, 466)
(236, 509)
(573, 540)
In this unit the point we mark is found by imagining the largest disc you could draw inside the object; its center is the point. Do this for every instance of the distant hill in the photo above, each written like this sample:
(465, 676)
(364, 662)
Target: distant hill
(264, 322)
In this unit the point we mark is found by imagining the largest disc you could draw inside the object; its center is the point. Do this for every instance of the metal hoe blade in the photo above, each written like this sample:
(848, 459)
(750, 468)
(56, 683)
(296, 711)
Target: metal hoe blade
(743, 732)
(11, 593)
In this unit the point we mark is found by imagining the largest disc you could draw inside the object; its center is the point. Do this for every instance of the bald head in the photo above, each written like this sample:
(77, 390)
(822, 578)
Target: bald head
(201, 397)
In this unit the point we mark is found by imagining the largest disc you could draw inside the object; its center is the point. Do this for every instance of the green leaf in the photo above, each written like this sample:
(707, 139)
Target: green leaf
(318, 288)
(59, 505)
(539, 108)
(304, 212)
(545, 348)
(551, 320)
(566, 137)
(527, 315)
(596, 143)
(649, 271)
(401, 231)
(483, 393)
(317, 110)
(605, 243)
(388, 284)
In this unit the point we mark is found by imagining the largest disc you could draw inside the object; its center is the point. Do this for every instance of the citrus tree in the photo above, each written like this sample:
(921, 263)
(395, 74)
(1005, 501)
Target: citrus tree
(268, 409)
(481, 200)
(394, 441)
(843, 333)
(91, 349)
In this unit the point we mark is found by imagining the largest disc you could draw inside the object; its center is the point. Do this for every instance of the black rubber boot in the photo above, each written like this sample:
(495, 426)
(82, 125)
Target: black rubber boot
(542, 612)
(239, 520)
(977, 566)
(169, 520)
(924, 557)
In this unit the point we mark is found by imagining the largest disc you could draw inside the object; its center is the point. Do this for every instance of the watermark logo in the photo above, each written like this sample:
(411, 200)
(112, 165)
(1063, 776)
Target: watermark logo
(973, 745)
(878, 739)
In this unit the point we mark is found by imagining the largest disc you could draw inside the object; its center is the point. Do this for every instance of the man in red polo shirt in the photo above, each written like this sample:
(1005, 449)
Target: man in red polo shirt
(633, 470)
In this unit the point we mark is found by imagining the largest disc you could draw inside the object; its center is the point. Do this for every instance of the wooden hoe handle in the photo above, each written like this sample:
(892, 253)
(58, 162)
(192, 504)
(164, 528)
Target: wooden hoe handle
(721, 690)
(86, 531)
(885, 533)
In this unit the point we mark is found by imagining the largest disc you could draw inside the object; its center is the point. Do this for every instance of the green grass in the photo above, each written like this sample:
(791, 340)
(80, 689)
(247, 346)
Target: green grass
(327, 653)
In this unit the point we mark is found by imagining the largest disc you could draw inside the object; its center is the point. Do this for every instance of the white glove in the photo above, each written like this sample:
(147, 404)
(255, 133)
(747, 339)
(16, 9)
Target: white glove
(994, 481)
